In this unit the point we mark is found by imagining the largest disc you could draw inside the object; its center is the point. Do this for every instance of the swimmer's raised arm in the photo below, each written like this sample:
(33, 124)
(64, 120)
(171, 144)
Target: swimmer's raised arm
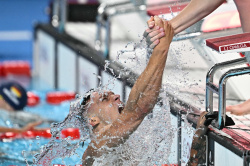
(146, 89)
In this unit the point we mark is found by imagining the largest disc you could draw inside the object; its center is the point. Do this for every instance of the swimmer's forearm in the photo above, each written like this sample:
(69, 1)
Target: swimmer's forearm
(195, 11)
(145, 92)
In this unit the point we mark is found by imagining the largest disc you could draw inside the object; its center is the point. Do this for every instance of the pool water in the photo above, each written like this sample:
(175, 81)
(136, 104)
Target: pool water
(22, 151)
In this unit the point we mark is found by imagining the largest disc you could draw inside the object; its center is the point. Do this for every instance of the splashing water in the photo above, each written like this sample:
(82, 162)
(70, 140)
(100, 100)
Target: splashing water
(59, 147)
(149, 144)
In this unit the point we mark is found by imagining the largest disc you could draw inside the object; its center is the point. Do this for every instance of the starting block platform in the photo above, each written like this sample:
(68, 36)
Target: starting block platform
(234, 43)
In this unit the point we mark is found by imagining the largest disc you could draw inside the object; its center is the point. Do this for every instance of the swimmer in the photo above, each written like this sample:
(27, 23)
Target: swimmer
(113, 122)
(13, 98)
(197, 10)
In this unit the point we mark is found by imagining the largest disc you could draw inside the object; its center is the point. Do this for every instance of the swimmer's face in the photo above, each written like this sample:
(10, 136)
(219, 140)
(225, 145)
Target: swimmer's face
(106, 105)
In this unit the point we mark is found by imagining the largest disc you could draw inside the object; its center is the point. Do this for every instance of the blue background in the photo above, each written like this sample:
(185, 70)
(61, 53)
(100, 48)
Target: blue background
(20, 15)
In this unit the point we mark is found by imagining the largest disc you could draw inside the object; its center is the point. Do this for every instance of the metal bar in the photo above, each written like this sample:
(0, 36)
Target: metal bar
(179, 138)
(213, 87)
(108, 38)
(222, 92)
(55, 14)
(210, 78)
(247, 55)
(186, 36)
(63, 14)
(103, 12)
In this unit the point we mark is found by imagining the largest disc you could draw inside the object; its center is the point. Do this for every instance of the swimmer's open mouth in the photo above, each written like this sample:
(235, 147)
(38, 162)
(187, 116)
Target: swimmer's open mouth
(120, 109)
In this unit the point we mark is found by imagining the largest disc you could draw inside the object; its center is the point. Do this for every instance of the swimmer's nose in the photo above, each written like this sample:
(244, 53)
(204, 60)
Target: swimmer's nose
(117, 97)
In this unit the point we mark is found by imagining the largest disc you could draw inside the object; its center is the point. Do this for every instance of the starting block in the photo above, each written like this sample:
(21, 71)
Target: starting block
(234, 43)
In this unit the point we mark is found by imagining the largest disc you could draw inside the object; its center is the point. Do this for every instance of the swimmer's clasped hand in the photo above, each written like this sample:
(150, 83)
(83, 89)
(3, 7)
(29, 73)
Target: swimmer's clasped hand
(153, 34)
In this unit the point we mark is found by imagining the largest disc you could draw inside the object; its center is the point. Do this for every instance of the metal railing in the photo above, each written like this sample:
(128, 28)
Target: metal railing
(220, 90)
(59, 14)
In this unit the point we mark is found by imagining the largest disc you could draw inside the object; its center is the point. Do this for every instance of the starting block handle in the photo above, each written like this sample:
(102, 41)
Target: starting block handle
(210, 79)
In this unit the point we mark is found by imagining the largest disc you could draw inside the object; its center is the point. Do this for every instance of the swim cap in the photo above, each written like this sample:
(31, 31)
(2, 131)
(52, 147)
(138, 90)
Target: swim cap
(14, 94)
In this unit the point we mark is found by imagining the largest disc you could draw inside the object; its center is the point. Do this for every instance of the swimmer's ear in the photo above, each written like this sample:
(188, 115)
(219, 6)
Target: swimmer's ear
(93, 121)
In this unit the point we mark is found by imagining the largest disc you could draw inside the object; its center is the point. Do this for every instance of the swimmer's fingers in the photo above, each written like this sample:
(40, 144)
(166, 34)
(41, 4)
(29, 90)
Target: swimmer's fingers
(169, 31)
(155, 43)
(151, 22)
(159, 21)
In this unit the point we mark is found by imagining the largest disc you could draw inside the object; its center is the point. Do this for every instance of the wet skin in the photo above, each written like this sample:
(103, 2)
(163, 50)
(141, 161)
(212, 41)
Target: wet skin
(113, 125)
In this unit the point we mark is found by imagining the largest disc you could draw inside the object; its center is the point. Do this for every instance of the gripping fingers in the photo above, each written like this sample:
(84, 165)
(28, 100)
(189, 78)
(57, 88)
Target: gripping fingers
(157, 35)
(168, 30)
(153, 36)
(155, 43)
(148, 31)
(151, 22)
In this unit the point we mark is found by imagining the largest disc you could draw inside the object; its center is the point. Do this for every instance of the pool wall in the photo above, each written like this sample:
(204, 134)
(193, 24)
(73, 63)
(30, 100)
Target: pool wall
(66, 63)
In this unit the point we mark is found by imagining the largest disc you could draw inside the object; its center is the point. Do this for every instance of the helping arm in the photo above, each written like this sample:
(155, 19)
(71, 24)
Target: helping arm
(195, 11)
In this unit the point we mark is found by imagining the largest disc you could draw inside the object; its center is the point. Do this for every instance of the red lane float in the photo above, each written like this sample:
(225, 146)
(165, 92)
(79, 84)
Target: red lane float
(15, 68)
(1, 70)
(36, 133)
(9, 135)
(33, 99)
(59, 97)
(71, 132)
(44, 133)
